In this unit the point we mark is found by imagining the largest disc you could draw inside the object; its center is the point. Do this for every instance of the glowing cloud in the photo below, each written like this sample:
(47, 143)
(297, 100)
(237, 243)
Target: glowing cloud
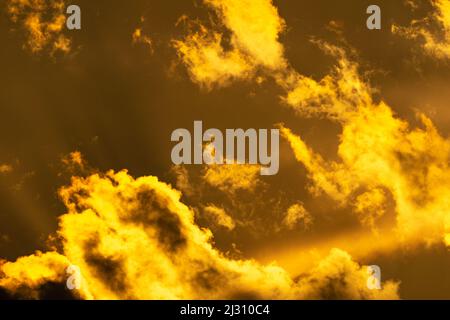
(338, 267)
(34, 276)
(134, 239)
(74, 158)
(208, 63)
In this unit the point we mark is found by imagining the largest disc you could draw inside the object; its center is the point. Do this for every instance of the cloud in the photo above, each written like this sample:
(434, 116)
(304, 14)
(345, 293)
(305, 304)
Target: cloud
(208, 63)
(239, 190)
(436, 44)
(339, 277)
(74, 159)
(253, 44)
(233, 177)
(295, 215)
(371, 206)
(219, 217)
(381, 156)
(183, 182)
(38, 276)
(255, 27)
(134, 239)
(336, 96)
(377, 151)
(43, 22)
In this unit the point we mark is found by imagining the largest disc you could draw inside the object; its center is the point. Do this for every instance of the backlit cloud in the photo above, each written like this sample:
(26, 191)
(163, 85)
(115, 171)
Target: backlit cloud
(134, 239)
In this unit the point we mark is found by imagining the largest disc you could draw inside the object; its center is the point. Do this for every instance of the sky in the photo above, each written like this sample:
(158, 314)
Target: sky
(86, 176)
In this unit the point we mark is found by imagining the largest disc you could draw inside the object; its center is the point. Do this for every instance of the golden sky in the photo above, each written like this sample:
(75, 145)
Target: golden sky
(86, 177)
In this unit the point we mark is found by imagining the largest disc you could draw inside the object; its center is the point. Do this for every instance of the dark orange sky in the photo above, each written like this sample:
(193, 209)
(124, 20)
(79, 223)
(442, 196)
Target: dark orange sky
(117, 101)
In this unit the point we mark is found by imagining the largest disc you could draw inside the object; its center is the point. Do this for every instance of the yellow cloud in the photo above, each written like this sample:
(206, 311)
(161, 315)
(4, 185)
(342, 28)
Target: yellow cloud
(380, 155)
(378, 151)
(219, 217)
(183, 182)
(255, 27)
(74, 158)
(339, 276)
(233, 177)
(295, 215)
(208, 63)
(134, 239)
(336, 96)
(370, 206)
(447, 239)
(43, 22)
(436, 45)
(29, 276)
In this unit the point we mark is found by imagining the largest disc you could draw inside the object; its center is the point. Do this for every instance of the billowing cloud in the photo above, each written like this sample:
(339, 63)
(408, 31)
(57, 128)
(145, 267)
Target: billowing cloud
(43, 22)
(133, 239)
(338, 276)
(38, 276)
(436, 44)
